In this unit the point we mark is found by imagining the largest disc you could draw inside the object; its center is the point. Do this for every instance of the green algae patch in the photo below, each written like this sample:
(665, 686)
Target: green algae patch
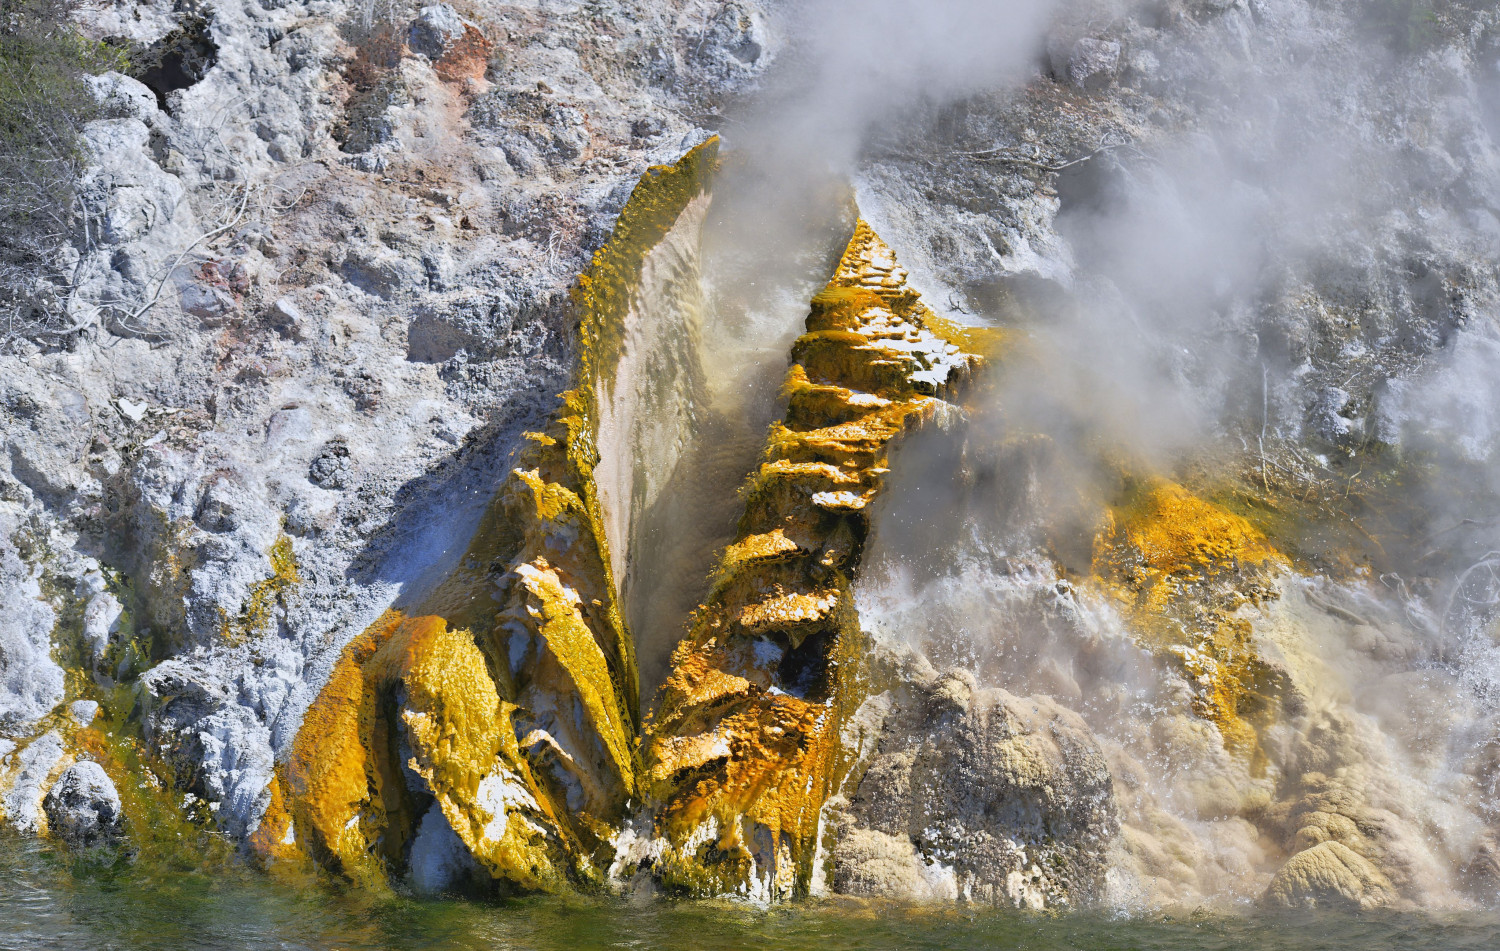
(161, 824)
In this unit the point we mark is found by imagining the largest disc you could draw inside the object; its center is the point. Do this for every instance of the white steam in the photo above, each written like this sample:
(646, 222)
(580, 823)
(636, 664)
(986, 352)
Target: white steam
(1308, 271)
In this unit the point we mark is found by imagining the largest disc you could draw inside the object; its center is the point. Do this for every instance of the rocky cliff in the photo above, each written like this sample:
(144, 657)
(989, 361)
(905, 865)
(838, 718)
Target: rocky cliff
(406, 360)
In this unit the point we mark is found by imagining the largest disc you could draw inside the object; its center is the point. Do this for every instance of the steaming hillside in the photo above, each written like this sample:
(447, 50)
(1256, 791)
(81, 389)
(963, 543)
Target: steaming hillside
(1040, 454)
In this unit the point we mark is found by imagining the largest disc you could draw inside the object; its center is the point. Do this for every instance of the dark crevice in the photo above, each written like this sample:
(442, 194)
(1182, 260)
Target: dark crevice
(178, 60)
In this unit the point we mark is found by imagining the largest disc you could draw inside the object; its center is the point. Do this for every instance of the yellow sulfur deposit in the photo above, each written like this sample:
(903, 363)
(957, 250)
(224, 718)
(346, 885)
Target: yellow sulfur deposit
(745, 748)
(409, 717)
(264, 595)
(1180, 567)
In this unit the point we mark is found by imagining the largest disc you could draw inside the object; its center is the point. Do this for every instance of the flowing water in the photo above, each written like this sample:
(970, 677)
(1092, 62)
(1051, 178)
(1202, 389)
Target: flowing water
(50, 901)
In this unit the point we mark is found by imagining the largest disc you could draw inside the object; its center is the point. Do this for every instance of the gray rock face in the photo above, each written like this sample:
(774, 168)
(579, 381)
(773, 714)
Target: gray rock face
(975, 793)
(434, 30)
(31, 682)
(83, 806)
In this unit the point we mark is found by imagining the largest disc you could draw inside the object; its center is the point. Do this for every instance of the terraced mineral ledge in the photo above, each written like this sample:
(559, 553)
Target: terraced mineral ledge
(745, 748)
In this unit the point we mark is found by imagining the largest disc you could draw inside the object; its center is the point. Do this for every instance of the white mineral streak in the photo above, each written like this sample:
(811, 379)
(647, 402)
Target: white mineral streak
(647, 404)
(27, 779)
(501, 793)
(31, 682)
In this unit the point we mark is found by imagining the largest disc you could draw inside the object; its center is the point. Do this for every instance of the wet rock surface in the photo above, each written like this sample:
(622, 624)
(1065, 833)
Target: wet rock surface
(83, 807)
(974, 793)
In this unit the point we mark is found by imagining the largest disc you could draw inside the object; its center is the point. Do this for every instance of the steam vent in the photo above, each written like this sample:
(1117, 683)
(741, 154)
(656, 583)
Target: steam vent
(1039, 472)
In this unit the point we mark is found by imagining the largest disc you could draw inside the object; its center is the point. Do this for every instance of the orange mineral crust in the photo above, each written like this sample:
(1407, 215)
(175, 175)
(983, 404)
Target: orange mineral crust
(745, 748)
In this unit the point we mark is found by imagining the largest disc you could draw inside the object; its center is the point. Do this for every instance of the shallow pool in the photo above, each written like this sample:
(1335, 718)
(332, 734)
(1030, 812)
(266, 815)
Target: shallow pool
(49, 899)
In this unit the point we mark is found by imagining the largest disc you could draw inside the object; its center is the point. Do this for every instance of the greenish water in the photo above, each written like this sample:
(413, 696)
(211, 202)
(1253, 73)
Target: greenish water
(49, 901)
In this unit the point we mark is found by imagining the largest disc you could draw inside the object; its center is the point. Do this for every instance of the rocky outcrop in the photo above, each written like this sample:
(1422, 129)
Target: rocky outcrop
(973, 793)
(314, 298)
(511, 715)
(745, 747)
(288, 495)
(83, 807)
(502, 707)
(26, 780)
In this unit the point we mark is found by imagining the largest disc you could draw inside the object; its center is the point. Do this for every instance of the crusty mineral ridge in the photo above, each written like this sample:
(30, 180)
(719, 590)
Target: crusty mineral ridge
(1180, 567)
(973, 793)
(745, 748)
(502, 704)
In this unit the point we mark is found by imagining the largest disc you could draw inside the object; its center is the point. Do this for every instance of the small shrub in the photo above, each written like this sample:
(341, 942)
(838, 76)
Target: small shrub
(44, 102)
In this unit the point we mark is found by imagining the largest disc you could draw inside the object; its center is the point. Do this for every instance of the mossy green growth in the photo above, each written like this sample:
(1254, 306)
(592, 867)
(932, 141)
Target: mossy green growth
(257, 615)
(162, 824)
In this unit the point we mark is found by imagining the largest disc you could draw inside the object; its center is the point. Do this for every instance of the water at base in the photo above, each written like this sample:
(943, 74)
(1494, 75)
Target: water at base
(56, 901)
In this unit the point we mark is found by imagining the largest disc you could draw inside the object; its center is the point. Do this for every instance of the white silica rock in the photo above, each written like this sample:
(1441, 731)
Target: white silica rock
(124, 98)
(101, 614)
(31, 682)
(22, 802)
(83, 711)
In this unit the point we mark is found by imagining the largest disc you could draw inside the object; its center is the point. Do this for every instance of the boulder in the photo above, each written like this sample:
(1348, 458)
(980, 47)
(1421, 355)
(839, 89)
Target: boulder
(83, 711)
(436, 28)
(83, 807)
(1093, 62)
(207, 302)
(1329, 874)
(121, 97)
